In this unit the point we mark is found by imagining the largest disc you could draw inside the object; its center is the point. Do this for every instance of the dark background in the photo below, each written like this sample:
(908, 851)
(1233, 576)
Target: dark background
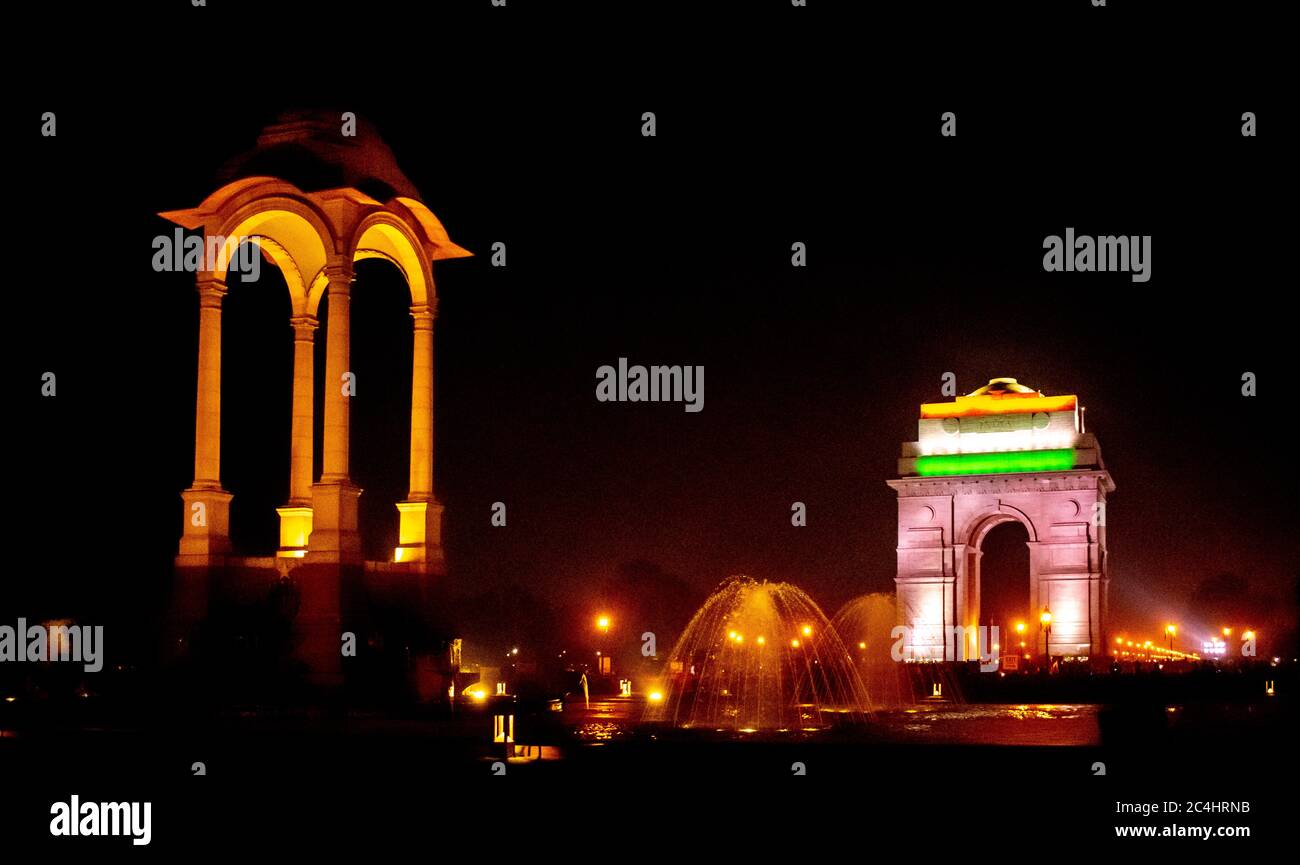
(925, 256)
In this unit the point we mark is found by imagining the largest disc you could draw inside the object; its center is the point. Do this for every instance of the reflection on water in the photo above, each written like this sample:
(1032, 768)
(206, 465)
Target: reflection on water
(994, 724)
(927, 723)
(1046, 711)
(600, 731)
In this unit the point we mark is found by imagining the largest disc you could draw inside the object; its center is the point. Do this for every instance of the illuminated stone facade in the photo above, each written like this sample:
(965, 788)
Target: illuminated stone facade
(314, 232)
(1002, 453)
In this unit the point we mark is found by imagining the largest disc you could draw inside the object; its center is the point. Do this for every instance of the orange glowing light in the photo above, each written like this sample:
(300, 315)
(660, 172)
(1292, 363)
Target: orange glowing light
(602, 622)
(998, 403)
(794, 644)
(807, 631)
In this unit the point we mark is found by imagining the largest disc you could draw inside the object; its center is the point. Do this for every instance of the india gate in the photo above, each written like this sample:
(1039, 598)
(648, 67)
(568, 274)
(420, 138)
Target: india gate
(314, 200)
(1003, 453)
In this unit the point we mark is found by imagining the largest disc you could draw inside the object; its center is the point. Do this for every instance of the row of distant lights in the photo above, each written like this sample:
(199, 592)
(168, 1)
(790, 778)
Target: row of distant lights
(1217, 644)
(1147, 648)
(1173, 630)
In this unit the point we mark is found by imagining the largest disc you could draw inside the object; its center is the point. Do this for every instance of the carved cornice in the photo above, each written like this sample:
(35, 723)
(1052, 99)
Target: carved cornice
(1018, 483)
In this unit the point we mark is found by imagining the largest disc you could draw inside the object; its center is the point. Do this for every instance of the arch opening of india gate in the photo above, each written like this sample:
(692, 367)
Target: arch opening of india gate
(1004, 453)
(333, 201)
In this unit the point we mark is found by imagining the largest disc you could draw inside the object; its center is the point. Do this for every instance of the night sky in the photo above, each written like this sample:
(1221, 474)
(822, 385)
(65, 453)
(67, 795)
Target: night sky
(924, 256)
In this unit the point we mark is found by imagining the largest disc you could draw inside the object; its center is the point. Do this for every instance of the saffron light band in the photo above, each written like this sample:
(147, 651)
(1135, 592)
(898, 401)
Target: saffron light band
(1014, 403)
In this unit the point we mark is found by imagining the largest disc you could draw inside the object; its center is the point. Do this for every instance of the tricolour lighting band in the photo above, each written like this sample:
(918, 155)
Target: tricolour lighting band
(1056, 460)
(967, 406)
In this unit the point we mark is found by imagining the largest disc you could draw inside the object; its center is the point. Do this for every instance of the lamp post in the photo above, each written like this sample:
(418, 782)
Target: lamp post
(1171, 630)
(1045, 624)
(602, 625)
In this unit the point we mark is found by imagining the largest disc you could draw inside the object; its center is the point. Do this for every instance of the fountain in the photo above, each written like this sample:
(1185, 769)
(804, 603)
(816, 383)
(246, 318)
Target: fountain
(760, 656)
(865, 624)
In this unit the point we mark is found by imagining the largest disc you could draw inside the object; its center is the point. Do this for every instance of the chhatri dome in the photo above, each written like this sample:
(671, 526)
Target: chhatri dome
(308, 149)
(1002, 386)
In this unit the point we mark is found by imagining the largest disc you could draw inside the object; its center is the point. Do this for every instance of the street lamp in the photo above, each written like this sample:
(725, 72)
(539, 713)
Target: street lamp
(1045, 624)
(604, 661)
(1171, 630)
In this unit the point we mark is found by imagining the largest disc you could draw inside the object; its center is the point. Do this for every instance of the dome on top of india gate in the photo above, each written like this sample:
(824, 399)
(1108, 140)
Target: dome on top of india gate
(1002, 386)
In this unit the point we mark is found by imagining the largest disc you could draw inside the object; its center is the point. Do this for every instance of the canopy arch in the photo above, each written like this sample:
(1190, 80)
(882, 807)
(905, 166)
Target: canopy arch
(289, 228)
(384, 235)
(287, 238)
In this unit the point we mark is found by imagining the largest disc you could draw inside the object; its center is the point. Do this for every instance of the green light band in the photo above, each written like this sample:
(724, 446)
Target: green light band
(1008, 461)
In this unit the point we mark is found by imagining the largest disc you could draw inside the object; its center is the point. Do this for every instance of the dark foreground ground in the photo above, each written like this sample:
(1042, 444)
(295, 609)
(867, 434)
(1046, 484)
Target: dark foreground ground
(321, 777)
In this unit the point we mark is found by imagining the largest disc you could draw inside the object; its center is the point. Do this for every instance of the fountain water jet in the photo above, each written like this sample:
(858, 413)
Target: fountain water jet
(760, 656)
(865, 624)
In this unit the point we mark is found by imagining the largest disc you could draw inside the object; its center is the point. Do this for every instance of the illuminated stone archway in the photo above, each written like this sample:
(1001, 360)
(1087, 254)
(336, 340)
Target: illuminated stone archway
(1003, 453)
(314, 236)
